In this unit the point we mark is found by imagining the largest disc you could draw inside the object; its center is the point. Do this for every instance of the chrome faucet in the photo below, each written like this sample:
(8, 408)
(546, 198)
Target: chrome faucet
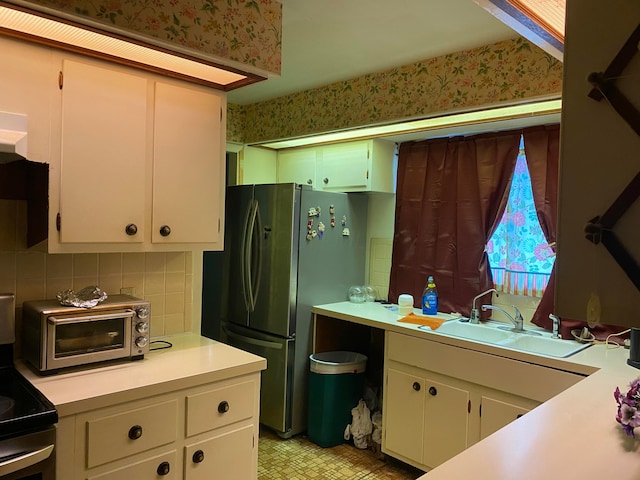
(475, 313)
(518, 321)
(556, 326)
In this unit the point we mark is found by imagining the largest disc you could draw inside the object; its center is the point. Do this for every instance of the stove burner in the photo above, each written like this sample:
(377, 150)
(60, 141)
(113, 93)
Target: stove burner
(22, 407)
(6, 407)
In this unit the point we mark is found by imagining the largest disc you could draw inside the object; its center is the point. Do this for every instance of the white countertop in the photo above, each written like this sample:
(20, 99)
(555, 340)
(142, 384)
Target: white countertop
(192, 360)
(573, 435)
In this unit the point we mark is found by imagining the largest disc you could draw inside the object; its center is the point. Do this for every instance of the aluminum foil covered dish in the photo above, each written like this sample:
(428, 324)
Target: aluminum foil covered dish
(86, 298)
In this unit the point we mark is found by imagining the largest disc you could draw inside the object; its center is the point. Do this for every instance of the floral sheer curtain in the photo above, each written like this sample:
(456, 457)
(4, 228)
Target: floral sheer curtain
(520, 256)
(451, 194)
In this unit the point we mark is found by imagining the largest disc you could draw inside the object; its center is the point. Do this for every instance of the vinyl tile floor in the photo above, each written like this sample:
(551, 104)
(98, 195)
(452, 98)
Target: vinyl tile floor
(298, 458)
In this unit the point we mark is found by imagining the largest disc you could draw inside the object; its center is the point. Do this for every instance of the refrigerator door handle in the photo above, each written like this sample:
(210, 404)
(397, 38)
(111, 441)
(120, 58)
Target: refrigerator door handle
(244, 258)
(255, 256)
(252, 341)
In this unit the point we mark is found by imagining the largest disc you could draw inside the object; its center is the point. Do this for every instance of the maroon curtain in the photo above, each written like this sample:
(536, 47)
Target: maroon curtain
(451, 194)
(542, 149)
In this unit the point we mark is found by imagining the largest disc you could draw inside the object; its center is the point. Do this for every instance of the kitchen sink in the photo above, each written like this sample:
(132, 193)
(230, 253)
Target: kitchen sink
(477, 332)
(490, 333)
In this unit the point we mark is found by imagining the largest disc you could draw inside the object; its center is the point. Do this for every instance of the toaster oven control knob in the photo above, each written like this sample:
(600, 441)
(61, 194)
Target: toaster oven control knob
(142, 327)
(142, 312)
(142, 342)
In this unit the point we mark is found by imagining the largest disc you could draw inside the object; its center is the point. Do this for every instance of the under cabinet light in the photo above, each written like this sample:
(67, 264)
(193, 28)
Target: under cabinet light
(38, 27)
(541, 109)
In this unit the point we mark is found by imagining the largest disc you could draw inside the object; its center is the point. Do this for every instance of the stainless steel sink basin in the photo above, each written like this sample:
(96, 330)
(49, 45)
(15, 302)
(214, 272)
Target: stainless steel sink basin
(490, 333)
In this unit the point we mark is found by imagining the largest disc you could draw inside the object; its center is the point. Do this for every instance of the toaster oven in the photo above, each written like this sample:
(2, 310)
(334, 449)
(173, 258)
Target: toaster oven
(56, 337)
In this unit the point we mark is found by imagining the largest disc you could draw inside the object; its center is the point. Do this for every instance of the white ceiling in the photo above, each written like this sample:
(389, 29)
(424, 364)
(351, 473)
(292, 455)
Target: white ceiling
(325, 41)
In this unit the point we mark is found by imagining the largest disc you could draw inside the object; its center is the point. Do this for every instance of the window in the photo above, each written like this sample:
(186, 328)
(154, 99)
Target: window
(520, 258)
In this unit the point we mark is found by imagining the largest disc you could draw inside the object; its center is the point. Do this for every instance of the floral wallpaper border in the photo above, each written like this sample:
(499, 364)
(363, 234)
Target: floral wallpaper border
(248, 32)
(507, 71)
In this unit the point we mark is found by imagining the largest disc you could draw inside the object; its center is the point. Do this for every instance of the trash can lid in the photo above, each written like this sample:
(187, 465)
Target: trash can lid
(332, 363)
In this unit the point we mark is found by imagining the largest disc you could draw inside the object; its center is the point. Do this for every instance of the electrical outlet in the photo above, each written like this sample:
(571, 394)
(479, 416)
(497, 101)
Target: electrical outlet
(128, 291)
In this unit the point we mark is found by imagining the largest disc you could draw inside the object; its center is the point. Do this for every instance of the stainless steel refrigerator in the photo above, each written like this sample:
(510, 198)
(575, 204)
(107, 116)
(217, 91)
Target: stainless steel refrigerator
(287, 248)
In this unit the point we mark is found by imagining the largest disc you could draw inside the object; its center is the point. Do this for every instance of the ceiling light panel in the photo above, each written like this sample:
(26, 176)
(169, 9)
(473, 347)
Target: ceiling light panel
(52, 32)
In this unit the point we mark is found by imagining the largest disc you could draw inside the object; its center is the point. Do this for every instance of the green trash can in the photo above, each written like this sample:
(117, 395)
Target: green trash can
(336, 385)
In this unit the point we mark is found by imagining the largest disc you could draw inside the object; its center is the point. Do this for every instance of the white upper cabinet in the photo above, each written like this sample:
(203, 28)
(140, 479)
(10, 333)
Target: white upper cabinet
(140, 163)
(298, 166)
(186, 166)
(361, 166)
(257, 165)
(102, 170)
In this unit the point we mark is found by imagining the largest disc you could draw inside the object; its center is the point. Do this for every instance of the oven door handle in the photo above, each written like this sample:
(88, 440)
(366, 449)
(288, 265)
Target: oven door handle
(90, 318)
(22, 462)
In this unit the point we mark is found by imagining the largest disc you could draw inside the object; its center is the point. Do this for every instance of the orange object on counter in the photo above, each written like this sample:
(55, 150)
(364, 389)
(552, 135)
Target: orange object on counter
(432, 322)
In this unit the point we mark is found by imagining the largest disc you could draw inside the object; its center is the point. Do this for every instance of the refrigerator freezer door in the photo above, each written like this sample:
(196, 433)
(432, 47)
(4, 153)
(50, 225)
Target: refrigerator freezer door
(276, 284)
(275, 389)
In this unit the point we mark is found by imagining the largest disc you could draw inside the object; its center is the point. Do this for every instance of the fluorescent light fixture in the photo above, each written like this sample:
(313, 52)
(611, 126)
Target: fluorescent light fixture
(549, 14)
(461, 120)
(539, 21)
(122, 48)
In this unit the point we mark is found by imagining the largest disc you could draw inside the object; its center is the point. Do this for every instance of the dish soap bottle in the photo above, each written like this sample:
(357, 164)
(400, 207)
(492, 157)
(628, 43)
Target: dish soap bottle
(430, 298)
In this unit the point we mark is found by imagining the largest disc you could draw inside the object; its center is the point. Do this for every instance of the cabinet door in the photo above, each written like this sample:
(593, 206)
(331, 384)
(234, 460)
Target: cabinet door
(496, 414)
(446, 422)
(297, 166)
(188, 174)
(404, 412)
(345, 166)
(102, 173)
(225, 456)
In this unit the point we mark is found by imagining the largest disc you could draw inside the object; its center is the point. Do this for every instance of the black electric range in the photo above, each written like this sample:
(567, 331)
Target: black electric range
(23, 408)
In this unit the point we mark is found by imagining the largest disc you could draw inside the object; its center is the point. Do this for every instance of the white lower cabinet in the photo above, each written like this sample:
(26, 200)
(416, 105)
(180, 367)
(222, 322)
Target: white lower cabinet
(225, 455)
(422, 412)
(150, 468)
(439, 399)
(495, 414)
(209, 431)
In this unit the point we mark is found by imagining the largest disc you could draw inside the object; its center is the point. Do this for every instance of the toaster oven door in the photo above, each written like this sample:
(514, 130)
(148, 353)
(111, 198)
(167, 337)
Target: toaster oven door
(82, 339)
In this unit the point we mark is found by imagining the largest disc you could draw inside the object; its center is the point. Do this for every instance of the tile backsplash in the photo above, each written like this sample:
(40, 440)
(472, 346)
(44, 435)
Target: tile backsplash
(165, 279)
(380, 265)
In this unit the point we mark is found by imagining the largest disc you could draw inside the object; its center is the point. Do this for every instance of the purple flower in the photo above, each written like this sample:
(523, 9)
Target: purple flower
(628, 415)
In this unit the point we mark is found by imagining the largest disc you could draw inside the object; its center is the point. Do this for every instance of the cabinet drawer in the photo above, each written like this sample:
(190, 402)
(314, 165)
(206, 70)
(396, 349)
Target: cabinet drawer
(224, 457)
(146, 469)
(132, 431)
(219, 407)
